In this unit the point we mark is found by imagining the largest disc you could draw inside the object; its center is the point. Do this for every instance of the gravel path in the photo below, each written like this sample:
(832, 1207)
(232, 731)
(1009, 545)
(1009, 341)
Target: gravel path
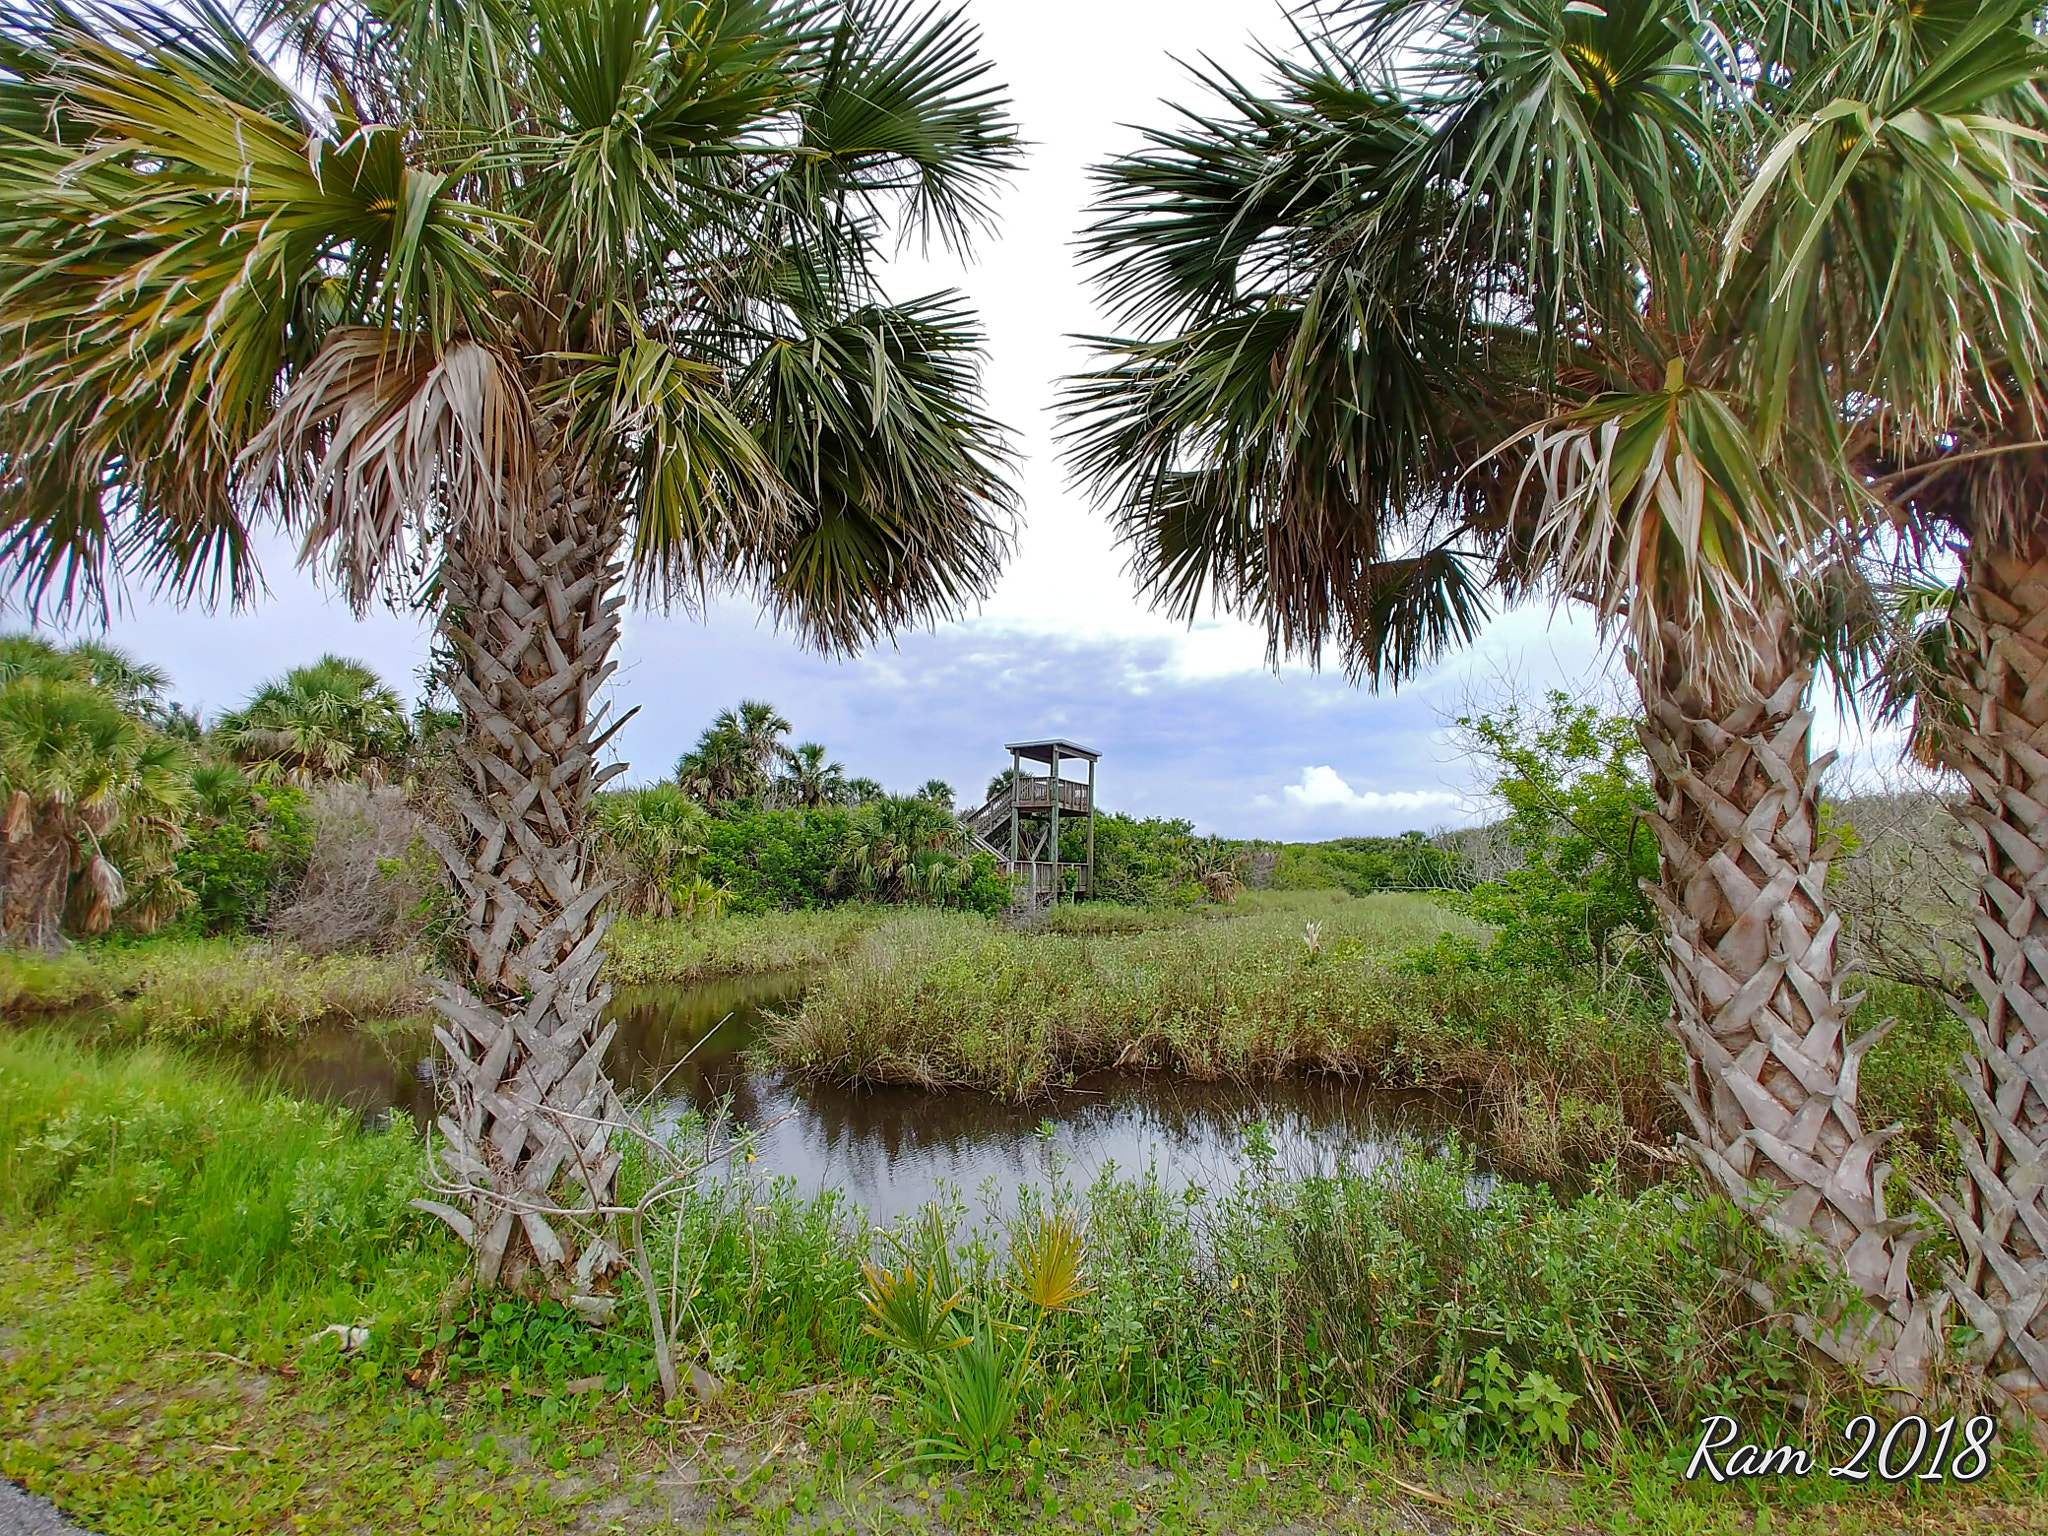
(23, 1514)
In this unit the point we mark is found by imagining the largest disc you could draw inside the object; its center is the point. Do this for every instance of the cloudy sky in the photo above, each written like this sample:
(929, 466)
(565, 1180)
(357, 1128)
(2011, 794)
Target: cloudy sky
(1190, 722)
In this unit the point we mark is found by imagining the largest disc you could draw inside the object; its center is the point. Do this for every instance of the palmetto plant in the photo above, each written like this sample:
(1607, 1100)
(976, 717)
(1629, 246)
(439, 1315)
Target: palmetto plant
(973, 1365)
(649, 841)
(520, 311)
(903, 848)
(810, 779)
(92, 795)
(334, 719)
(1491, 295)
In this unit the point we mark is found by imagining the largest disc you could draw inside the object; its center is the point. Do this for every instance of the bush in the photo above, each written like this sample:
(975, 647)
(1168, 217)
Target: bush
(244, 851)
(1141, 861)
(1576, 786)
(371, 882)
(775, 861)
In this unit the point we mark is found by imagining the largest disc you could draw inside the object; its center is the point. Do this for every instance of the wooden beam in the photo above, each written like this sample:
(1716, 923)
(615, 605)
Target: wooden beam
(1091, 828)
(1055, 787)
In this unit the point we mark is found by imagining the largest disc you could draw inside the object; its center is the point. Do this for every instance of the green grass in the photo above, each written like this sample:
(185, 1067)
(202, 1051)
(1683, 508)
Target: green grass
(1299, 1352)
(649, 951)
(227, 990)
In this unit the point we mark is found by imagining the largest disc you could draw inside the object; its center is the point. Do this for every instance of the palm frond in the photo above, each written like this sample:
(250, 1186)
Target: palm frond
(900, 508)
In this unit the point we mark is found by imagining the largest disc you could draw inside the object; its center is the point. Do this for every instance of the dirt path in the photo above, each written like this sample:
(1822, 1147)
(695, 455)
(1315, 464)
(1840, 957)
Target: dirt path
(23, 1514)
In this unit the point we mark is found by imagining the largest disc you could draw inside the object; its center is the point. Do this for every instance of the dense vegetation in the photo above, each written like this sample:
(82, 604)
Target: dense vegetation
(1367, 1325)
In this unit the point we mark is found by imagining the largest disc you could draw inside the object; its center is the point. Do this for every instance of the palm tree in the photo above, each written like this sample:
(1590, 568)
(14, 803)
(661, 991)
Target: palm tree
(332, 720)
(757, 728)
(1912, 157)
(903, 848)
(864, 791)
(938, 791)
(650, 840)
(735, 757)
(809, 780)
(1455, 310)
(92, 796)
(535, 309)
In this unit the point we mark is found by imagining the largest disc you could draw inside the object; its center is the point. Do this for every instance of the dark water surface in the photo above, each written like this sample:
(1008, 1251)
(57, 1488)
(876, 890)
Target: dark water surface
(891, 1150)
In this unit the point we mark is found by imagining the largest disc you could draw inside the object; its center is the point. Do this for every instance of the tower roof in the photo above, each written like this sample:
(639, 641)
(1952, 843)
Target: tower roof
(1042, 751)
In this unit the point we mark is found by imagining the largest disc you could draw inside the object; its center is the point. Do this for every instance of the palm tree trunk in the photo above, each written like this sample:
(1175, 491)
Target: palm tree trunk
(532, 622)
(1999, 1215)
(37, 860)
(1756, 991)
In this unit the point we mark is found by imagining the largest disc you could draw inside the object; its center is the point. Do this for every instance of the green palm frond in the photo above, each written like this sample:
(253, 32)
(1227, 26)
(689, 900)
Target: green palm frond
(1659, 513)
(1896, 218)
(900, 508)
(657, 222)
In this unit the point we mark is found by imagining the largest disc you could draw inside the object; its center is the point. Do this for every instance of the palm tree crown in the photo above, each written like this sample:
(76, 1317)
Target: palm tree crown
(333, 719)
(646, 229)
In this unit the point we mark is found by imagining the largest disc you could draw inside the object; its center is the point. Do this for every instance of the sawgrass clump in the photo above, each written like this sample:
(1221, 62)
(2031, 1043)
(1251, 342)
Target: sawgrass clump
(657, 951)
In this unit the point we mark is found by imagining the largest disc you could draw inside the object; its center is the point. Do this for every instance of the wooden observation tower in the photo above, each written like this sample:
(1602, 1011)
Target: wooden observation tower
(1020, 824)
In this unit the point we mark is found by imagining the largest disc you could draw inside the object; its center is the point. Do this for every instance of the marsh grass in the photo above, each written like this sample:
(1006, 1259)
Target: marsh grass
(224, 990)
(1289, 983)
(647, 951)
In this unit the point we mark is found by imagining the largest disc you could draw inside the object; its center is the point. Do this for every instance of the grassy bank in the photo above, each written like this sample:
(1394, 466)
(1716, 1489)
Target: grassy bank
(648, 951)
(186, 989)
(1357, 1352)
(1283, 983)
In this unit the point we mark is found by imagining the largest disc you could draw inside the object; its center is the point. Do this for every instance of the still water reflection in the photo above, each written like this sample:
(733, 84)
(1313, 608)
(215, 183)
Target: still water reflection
(892, 1150)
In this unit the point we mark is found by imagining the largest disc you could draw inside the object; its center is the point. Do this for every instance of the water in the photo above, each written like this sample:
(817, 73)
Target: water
(892, 1150)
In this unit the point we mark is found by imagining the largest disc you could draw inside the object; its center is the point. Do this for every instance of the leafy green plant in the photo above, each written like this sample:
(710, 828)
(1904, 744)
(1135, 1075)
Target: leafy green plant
(973, 1367)
(1576, 786)
(245, 847)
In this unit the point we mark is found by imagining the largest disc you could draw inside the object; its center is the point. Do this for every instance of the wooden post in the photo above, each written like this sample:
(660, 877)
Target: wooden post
(1091, 828)
(1054, 786)
(1015, 775)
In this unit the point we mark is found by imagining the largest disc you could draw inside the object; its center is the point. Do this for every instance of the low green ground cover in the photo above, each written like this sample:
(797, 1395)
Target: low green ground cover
(1341, 1354)
(178, 987)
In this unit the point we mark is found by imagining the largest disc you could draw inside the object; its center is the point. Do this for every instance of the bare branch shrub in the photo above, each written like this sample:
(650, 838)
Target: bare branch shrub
(371, 877)
(1907, 887)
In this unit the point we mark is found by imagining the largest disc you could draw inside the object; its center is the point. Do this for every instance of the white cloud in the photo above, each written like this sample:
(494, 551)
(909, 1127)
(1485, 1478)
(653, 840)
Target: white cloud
(1324, 789)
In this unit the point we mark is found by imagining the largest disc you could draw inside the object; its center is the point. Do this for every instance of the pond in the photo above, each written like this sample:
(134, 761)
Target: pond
(892, 1150)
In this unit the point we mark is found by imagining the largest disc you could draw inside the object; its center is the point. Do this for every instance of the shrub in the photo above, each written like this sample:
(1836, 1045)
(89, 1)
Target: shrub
(1363, 865)
(773, 861)
(370, 883)
(1576, 786)
(244, 851)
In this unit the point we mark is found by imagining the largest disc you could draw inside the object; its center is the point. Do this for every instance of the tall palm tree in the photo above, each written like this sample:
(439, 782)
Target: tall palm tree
(1453, 309)
(92, 795)
(809, 779)
(757, 728)
(1912, 155)
(535, 308)
(332, 720)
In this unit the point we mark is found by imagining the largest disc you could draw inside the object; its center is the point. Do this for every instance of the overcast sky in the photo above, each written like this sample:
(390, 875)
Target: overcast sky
(1190, 722)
